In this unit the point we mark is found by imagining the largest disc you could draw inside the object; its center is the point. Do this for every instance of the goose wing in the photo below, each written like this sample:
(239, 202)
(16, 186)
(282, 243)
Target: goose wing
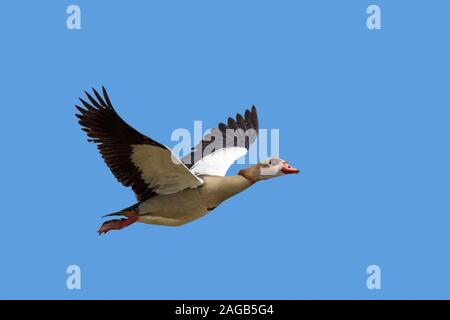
(134, 159)
(220, 148)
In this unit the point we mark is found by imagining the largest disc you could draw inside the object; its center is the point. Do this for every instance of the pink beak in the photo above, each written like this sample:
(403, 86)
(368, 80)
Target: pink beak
(287, 169)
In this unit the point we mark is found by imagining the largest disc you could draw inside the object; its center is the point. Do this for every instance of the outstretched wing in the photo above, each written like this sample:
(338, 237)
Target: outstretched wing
(220, 148)
(135, 160)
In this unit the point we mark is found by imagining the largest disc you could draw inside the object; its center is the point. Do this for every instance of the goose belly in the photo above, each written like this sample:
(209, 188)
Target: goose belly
(174, 209)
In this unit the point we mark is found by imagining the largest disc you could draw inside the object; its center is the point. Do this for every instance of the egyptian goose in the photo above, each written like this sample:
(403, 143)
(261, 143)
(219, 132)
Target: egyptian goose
(171, 191)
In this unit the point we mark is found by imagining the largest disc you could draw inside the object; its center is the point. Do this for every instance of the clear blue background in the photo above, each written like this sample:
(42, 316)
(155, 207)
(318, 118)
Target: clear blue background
(364, 114)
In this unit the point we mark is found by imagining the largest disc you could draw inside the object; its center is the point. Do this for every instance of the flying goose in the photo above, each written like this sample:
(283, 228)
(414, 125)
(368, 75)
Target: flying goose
(171, 191)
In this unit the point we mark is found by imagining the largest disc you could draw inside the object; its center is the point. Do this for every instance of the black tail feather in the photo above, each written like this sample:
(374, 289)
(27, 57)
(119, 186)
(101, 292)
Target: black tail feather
(132, 209)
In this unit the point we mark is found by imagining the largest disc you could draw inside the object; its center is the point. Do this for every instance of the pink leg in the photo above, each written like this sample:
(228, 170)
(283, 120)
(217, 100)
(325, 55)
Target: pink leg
(117, 224)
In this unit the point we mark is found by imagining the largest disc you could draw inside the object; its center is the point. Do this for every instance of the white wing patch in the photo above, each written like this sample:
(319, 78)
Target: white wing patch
(218, 162)
(162, 171)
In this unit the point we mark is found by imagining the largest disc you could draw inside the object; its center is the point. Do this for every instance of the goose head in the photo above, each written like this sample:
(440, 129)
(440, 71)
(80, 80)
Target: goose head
(267, 169)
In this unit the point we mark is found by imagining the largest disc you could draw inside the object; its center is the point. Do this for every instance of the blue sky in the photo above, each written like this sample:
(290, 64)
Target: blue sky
(363, 113)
